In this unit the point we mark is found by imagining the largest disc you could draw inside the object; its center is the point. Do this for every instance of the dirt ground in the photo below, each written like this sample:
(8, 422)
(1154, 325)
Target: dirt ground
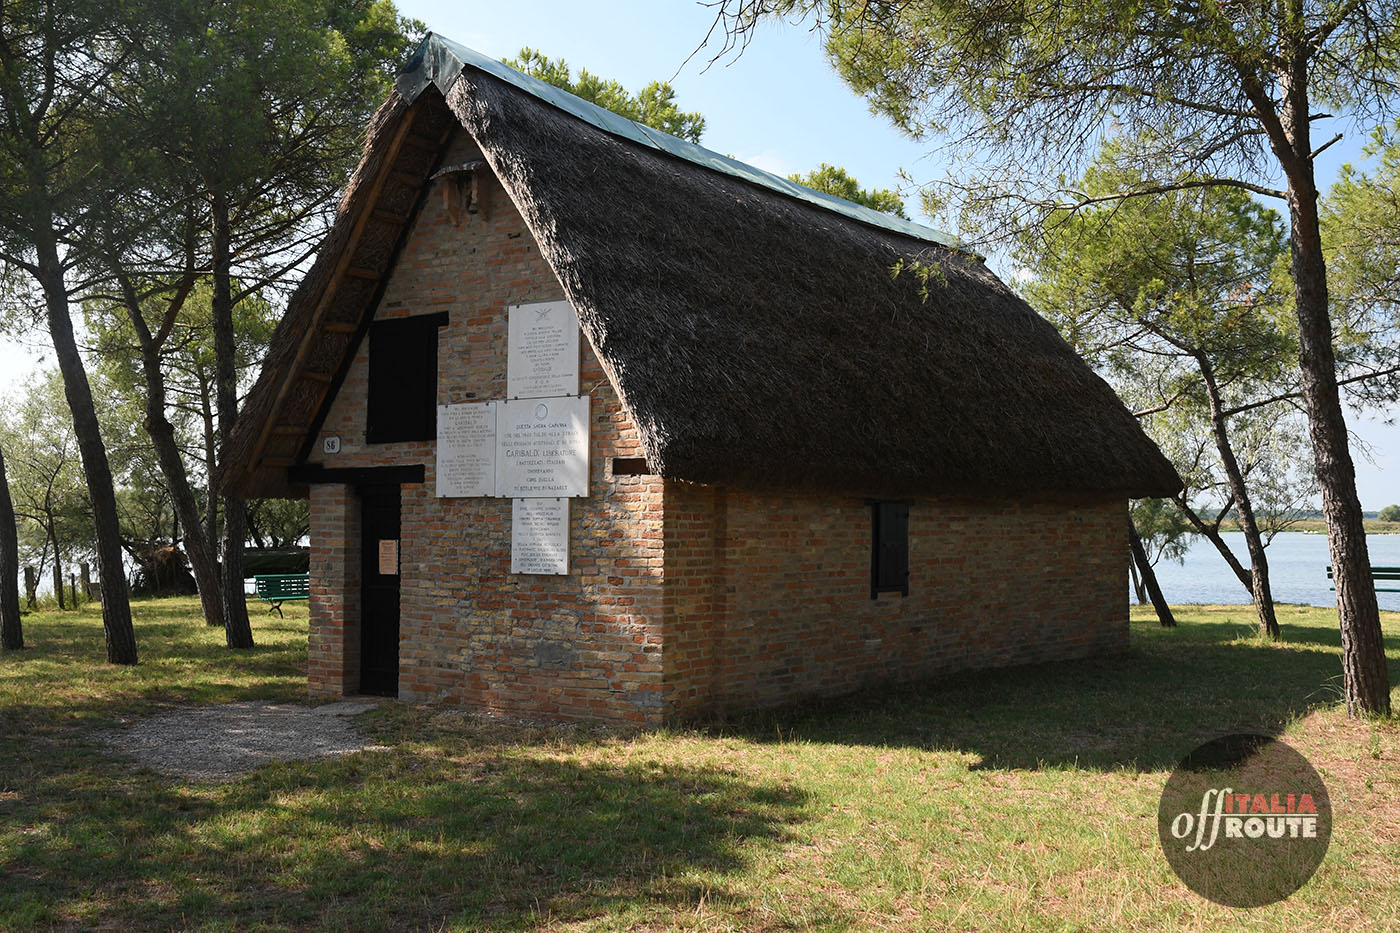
(223, 742)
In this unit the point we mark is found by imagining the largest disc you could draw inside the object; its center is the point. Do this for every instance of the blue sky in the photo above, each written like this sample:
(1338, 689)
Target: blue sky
(778, 106)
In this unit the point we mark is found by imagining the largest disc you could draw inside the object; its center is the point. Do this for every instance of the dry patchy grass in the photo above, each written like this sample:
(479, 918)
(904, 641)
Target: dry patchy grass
(1022, 799)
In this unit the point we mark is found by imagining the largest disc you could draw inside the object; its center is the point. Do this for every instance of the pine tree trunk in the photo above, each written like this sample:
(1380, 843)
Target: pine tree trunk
(116, 603)
(238, 630)
(1149, 578)
(1366, 682)
(1212, 535)
(11, 631)
(1139, 590)
(1258, 563)
(203, 565)
(57, 569)
(211, 455)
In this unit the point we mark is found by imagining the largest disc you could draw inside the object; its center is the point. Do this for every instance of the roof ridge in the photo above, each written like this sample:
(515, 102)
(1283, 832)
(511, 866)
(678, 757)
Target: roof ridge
(439, 61)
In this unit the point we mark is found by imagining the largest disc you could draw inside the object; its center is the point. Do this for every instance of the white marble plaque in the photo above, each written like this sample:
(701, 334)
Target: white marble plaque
(539, 536)
(542, 447)
(542, 350)
(466, 449)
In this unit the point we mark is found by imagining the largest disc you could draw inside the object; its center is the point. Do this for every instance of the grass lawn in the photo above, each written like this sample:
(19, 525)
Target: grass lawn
(1021, 799)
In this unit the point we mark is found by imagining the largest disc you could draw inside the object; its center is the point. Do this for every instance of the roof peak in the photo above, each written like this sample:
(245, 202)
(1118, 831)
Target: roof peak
(439, 61)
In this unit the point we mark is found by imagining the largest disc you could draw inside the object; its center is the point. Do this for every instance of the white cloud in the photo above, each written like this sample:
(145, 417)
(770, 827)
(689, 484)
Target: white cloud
(769, 161)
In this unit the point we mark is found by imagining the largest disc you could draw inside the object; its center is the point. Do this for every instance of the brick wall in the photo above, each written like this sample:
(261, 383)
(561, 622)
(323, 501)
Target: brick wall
(768, 595)
(759, 598)
(333, 652)
(584, 646)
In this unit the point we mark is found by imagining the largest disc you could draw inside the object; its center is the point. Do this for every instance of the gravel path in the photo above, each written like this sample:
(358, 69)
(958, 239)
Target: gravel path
(223, 742)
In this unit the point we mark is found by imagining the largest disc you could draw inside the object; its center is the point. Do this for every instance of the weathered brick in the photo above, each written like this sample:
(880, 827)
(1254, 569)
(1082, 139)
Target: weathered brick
(736, 598)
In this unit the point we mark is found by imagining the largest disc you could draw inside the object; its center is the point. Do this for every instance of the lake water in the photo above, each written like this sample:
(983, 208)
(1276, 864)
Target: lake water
(1297, 571)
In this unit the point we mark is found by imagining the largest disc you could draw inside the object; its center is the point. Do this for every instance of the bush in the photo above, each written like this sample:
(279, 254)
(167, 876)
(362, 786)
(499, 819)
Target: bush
(1391, 513)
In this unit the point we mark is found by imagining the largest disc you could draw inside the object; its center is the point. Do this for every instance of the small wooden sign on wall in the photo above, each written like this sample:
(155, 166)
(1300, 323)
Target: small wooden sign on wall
(389, 557)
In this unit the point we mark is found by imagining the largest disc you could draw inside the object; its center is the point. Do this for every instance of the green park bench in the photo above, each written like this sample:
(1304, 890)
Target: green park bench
(1381, 575)
(278, 588)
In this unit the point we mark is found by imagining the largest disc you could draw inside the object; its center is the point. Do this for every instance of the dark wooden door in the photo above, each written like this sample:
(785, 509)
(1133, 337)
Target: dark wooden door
(379, 590)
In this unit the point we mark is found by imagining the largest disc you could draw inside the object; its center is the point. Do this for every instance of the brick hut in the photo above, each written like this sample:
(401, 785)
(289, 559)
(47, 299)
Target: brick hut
(599, 424)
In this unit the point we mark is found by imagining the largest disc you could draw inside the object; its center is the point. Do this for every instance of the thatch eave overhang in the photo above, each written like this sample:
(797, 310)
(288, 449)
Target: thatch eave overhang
(327, 314)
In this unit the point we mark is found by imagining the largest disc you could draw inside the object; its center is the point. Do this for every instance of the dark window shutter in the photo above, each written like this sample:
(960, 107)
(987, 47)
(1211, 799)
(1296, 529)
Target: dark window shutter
(402, 402)
(889, 553)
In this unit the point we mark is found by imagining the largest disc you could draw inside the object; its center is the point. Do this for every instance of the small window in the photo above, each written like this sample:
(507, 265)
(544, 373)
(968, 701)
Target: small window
(889, 549)
(402, 403)
(630, 466)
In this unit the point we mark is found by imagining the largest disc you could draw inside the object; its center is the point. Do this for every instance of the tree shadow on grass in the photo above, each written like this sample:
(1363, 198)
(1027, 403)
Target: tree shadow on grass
(1141, 711)
(61, 681)
(500, 837)
(1313, 635)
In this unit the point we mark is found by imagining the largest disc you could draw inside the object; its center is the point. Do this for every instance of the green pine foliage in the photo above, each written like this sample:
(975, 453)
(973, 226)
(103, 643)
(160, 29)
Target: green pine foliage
(654, 105)
(833, 179)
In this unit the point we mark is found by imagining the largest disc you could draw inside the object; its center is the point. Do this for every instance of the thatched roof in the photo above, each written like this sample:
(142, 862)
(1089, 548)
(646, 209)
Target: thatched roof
(757, 338)
(330, 310)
